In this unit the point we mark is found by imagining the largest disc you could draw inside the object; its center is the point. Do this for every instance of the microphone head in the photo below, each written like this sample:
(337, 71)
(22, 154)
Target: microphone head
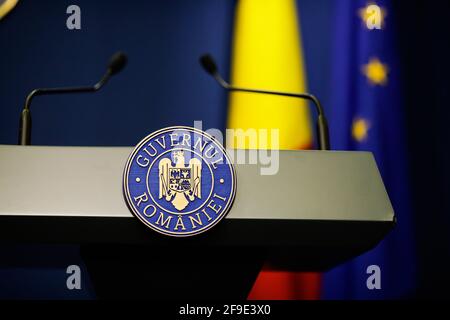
(208, 64)
(117, 63)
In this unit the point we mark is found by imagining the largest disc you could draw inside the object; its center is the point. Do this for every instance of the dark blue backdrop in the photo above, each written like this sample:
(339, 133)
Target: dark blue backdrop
(161, 86)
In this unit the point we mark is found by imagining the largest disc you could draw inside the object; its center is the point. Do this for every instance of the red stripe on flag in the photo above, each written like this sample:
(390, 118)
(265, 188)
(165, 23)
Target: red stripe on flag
(282, 285)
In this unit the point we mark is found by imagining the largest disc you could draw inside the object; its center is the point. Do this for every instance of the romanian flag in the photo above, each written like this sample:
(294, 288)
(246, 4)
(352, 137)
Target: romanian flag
(267, 54)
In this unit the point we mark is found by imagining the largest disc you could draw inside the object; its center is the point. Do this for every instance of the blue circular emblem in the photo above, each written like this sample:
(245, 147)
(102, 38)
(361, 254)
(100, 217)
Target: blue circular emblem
(179, 181)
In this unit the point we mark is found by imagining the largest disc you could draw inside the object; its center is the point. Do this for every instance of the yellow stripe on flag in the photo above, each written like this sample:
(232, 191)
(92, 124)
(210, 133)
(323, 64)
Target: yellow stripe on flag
(267, 55)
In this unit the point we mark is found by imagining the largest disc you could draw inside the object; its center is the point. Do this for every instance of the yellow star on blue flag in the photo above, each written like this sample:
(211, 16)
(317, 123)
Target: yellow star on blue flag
(360, 129)
(376, 72)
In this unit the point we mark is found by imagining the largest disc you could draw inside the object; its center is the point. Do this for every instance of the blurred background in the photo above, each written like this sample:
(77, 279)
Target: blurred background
(384, 90)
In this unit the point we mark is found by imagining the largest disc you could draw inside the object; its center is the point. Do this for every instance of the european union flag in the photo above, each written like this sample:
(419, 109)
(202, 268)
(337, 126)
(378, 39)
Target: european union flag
(366, 113)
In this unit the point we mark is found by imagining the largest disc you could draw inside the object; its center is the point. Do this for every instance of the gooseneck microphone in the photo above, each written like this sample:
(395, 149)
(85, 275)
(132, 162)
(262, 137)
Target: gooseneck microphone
(210, 66)
(116, 64)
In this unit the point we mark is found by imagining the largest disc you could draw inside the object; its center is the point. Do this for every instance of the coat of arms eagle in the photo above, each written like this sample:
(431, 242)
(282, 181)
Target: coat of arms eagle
(180, 184)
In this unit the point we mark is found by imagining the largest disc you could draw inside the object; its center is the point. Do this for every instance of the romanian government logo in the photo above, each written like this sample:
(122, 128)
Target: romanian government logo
(179, 181)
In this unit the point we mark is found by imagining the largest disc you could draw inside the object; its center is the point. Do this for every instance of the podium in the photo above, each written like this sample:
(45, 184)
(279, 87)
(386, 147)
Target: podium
(321, 209)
